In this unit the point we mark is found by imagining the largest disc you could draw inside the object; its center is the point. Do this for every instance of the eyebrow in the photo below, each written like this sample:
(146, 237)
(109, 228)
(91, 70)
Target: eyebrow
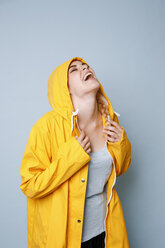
(76, 65)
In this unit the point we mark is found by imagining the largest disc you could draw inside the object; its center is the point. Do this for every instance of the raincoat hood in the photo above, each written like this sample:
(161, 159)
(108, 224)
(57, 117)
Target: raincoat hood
(58, 92)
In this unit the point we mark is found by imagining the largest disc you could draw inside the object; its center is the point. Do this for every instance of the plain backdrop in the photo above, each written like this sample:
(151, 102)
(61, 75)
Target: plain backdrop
(123, 41)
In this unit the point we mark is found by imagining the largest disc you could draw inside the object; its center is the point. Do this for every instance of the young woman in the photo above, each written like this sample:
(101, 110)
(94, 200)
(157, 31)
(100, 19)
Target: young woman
(70, 164)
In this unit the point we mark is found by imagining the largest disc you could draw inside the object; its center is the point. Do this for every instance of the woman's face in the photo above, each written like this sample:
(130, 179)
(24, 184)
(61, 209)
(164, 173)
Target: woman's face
(76, 82)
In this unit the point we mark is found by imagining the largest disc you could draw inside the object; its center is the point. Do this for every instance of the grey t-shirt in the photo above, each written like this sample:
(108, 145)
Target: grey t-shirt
(99, 170)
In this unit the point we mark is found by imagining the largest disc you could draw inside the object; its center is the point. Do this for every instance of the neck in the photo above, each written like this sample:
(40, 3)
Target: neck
(88, 116)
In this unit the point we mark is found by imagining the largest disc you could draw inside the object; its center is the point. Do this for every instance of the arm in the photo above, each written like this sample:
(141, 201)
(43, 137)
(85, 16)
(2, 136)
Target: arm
(122, 152)
(39, 175)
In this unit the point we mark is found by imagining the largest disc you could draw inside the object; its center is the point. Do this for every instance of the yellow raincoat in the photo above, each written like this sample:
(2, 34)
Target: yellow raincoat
(54, 172)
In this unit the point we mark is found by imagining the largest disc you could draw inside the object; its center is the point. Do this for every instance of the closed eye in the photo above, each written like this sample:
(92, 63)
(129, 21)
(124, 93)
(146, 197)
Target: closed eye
(74, 70)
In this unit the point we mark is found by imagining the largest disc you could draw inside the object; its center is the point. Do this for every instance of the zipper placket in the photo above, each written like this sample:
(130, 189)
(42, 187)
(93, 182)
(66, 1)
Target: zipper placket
(111, 191)
(109, 200)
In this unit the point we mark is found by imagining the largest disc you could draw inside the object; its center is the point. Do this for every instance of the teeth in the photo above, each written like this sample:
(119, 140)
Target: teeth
(87, 75)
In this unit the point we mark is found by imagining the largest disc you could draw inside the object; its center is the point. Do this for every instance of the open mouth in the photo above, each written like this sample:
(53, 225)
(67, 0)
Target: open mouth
(89, 76)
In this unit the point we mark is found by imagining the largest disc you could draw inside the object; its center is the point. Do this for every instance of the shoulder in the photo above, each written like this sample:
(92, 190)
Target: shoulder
(46, 121)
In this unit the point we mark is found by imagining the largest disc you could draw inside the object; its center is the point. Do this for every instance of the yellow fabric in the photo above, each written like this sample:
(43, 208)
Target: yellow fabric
(53, 170)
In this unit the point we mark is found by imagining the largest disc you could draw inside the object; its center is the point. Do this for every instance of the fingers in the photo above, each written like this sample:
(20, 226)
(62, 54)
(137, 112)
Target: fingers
(87, 146)
(111, 134)
(84, 142)
(113, 139)
(114, 133)
(83, 138)
(110, 129)
(114, 123)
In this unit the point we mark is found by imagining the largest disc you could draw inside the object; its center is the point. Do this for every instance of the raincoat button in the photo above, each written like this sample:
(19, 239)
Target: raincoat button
(79, 221)
(83, 180)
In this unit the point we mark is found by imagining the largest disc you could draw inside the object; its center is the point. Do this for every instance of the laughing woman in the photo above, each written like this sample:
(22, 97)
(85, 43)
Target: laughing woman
(72, 158)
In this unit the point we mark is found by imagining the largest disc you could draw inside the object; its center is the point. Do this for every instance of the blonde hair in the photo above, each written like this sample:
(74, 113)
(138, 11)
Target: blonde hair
(102, 105)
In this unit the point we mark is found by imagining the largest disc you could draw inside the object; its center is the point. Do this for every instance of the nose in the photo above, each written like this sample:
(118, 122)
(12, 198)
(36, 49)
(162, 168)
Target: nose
(84, 67)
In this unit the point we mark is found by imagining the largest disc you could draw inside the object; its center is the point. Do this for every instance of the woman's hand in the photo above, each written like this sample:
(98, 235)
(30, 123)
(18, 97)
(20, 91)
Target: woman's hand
(84, 141)
(114, 133)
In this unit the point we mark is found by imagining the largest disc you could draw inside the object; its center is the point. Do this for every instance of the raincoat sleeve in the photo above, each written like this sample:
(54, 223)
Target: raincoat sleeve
(122, 152)
(39, 175)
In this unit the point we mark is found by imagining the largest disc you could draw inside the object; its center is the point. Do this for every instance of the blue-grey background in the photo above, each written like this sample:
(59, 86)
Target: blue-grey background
(123, 41)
